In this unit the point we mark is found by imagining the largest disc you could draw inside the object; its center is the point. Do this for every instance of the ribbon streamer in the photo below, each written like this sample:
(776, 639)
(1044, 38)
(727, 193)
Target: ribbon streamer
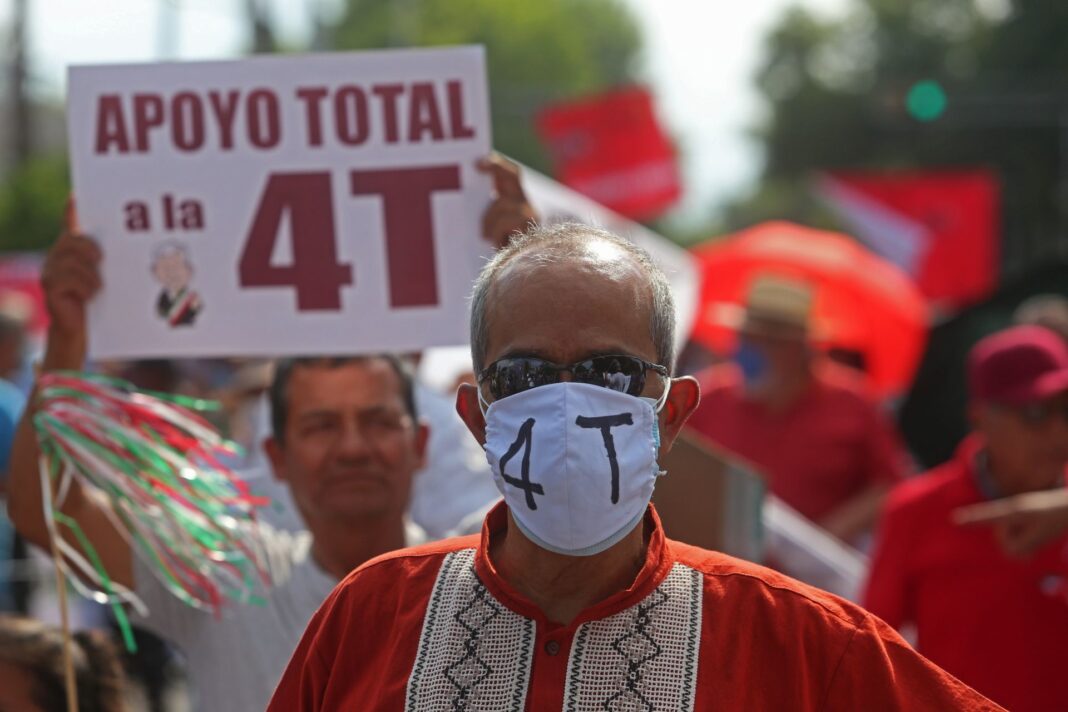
(160, 467)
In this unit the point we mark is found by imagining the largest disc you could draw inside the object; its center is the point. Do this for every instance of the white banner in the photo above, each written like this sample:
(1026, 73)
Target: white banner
(283, 205)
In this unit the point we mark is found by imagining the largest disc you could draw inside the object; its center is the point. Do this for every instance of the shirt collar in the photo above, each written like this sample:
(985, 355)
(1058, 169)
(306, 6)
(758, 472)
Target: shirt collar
(658, 563)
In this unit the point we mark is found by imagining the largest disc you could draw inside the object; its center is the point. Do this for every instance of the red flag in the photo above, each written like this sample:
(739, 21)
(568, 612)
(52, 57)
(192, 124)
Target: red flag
(940, 227)
(612, 149)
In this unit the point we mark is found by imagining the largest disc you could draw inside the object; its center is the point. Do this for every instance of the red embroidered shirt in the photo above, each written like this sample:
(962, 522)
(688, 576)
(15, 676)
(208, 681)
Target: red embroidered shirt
(436, 628)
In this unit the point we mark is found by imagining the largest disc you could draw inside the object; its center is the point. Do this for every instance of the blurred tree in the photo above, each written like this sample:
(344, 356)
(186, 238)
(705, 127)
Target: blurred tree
(21, 133)
(838, 93)
(537, 52)
(31, 203)
(261, 27)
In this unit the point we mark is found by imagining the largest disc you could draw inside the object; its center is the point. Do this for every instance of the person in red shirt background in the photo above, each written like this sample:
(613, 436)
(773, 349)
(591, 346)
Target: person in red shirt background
(985, 610)
(810, 426)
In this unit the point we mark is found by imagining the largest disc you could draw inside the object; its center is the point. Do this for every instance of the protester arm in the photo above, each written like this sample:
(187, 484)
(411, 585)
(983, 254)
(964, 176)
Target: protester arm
(880, 671)
(1024, 523)
(70, 278)
(885, 464)
(857, 515)
(511, 211)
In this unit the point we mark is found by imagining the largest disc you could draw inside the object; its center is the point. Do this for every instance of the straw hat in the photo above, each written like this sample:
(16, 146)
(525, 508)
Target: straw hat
(774, 305)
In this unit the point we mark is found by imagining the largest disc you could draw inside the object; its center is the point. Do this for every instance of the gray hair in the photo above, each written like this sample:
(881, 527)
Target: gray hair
(568, 240)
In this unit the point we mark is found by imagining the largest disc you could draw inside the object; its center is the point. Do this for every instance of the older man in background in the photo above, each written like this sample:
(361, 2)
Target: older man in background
(986, 609)
(346, 442)
(810, 426)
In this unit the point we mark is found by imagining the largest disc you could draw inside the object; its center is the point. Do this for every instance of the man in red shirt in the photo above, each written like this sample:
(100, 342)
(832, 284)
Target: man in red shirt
(572, 598)
(809, 426)
(998, 621)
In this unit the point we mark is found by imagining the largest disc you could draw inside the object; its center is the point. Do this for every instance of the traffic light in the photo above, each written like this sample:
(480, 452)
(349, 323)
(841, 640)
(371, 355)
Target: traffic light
(926, 100)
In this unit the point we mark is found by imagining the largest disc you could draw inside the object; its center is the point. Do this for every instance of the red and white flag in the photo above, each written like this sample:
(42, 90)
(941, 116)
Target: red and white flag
(611, 148)
(942, 228)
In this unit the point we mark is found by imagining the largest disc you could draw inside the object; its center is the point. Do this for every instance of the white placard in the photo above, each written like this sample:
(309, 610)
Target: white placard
(321, 204)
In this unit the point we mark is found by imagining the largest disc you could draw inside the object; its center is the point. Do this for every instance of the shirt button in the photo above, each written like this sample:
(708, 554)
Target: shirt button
(552, 647)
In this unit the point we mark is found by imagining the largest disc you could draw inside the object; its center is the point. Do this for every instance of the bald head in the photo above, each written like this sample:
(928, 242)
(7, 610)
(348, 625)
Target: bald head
(555, 270)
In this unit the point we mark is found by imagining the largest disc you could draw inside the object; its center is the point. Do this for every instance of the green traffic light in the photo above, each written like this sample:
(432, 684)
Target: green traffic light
(926, 100)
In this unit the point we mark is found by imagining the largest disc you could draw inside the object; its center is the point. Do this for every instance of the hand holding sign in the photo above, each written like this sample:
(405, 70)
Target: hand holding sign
(511, 211)
(70, 277)
(335, 210)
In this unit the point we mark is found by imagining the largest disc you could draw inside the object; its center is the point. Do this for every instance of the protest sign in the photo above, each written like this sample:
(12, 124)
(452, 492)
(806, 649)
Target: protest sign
(710, 498)
(282, 205)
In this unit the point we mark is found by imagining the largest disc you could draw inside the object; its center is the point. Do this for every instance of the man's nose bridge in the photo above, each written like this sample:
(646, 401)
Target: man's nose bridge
(352, 436)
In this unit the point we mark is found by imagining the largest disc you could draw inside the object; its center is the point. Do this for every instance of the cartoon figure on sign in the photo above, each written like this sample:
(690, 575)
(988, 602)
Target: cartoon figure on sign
(178, 304)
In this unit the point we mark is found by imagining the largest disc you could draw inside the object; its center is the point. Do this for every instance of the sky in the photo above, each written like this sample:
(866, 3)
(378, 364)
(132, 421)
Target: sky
(700, 59)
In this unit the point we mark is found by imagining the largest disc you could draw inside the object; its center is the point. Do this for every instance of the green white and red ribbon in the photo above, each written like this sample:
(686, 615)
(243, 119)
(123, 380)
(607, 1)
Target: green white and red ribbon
(160, 466)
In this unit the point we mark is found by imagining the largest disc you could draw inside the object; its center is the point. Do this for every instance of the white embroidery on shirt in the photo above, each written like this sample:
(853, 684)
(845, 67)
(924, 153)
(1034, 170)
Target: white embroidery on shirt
(643, 658)
(474, 653)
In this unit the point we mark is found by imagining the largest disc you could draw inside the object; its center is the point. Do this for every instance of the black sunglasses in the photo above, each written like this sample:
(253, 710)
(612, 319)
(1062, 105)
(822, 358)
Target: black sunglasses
(626, 374)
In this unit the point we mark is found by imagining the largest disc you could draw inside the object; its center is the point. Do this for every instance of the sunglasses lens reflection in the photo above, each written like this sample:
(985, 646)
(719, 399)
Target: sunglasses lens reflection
(625, 374)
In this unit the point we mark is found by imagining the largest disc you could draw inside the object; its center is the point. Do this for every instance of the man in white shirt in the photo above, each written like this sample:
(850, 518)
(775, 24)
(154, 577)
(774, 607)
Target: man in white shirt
(346, 441)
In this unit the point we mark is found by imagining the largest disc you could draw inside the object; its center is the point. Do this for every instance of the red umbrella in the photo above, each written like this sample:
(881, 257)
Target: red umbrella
(862, 302)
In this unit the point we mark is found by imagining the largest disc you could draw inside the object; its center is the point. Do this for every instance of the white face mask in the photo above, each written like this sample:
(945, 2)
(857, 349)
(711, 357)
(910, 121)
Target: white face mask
(576, 463)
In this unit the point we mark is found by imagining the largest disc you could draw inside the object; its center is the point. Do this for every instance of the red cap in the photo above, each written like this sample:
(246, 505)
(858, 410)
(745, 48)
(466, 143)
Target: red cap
(1017, 366)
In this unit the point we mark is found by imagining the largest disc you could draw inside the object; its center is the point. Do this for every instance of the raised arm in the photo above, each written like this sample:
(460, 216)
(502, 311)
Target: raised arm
(70, 278)
(1024, 523)
(510, 212)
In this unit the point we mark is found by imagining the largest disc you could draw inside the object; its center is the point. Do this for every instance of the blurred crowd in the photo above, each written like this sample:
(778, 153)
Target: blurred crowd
(970, 559)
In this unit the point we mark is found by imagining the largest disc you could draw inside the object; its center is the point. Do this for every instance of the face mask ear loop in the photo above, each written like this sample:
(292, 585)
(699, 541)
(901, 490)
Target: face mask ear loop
(482, 404)
(659, 401)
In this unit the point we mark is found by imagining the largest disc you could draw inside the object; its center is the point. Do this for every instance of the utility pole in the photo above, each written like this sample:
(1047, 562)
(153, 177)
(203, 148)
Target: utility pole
(321, 32)
(19, 99)
(260, 23)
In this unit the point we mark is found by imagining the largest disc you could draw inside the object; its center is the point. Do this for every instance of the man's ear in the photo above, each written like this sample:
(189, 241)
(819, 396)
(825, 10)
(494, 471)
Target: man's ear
(276, 457)
(681, 403)
(470, 412)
